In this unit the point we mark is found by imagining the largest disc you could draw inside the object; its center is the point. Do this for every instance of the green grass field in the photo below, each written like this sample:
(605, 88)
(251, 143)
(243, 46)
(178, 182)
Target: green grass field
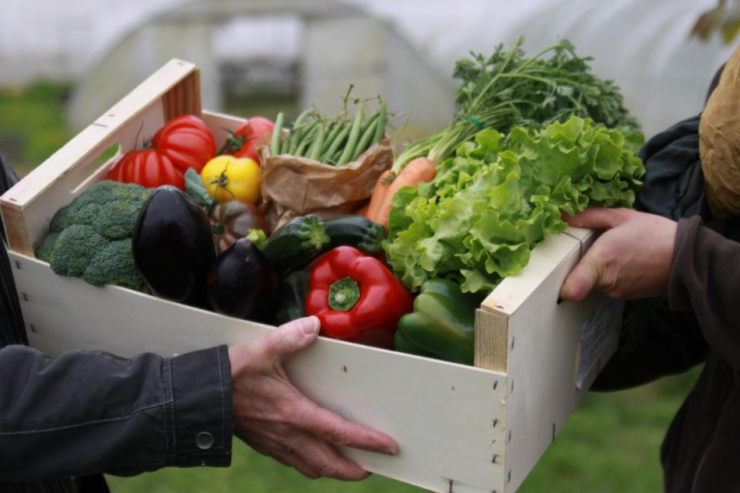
(610, 444)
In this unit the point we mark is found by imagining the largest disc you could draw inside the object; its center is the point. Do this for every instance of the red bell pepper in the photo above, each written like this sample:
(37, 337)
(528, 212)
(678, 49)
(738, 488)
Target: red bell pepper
(357, 298)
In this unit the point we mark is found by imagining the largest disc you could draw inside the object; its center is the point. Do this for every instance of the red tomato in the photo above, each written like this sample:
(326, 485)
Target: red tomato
(185, 142)
(244, 143)
(148, 168)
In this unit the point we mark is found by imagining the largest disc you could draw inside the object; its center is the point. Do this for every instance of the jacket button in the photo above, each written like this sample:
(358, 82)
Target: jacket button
(204, 440)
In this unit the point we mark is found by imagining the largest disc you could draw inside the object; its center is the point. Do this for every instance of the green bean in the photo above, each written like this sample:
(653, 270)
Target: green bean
(336, 128)
(365, 140)
(286, 142)
(354, 135)
(302, 136)
(336, 144)
(300, 128)
(317, 144)
(382, 119)
(368, 124)
(306, 140)
(275, 147)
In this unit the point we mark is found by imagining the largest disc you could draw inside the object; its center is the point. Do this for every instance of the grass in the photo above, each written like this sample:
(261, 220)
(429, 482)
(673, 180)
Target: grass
(610, 444)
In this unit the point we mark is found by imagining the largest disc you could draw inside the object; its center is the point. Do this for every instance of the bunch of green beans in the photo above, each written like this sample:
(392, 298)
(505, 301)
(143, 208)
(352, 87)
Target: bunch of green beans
(336, 140)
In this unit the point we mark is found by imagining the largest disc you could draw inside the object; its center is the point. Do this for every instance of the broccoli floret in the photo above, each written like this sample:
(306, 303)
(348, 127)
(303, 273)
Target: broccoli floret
(114, 264)
(45, 251)
(74, 250)
(91, 237)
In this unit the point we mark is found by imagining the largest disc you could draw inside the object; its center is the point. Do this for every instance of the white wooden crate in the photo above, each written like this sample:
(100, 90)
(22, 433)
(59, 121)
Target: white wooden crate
(460, 429)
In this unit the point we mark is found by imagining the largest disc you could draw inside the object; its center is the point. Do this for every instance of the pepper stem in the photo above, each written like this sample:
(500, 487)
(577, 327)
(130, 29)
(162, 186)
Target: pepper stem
(344, 295)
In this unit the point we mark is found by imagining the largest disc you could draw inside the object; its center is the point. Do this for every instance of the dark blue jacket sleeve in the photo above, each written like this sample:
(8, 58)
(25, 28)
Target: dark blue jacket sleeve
(90, 412)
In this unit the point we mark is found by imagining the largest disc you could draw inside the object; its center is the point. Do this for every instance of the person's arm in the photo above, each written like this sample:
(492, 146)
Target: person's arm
(705, 280)
(640, 253)
(89, 412)
(654, 342)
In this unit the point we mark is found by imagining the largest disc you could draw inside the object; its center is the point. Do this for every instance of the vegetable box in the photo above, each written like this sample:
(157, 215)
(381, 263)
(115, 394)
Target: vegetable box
(460, 429)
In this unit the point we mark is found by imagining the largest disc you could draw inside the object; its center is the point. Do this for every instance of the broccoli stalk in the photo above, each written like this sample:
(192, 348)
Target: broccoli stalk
(91, 237)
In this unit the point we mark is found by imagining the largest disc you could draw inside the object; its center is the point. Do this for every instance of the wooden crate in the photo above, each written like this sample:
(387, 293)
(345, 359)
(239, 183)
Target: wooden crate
(460, 429)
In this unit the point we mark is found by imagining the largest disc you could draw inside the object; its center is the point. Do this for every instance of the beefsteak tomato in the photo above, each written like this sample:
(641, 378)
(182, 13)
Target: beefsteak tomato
(185, 142)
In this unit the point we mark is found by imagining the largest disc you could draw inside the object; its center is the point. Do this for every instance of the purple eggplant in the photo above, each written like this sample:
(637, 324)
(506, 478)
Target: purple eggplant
(173, 247)
(243, 284)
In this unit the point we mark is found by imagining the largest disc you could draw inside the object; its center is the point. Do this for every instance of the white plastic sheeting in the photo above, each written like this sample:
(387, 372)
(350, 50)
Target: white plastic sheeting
(642, 44)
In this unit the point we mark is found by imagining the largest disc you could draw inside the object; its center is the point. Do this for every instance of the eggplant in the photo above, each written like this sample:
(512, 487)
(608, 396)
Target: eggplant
(243, 284)
(173, 247)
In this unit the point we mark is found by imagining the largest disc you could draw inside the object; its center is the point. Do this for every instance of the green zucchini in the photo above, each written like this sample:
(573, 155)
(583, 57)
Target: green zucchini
(295, 244)
(291, 297)
(356, 231)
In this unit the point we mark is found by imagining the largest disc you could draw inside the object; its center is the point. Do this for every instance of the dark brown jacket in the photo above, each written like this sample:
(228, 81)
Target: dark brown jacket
(701, 452)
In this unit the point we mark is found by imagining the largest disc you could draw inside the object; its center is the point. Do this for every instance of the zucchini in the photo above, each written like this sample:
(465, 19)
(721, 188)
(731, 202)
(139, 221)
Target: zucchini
(295, 244)
(356, 231)
(291, 297)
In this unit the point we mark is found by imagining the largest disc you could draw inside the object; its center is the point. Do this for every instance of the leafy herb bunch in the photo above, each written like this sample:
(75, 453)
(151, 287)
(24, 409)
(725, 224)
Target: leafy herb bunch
(507, 89)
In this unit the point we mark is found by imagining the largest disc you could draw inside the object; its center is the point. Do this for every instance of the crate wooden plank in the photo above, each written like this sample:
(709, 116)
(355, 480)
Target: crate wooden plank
(32, 202)
(448, 419)
(543, 348)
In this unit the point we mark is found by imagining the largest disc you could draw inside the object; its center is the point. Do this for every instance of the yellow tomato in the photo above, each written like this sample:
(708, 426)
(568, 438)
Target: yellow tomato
(230, 178)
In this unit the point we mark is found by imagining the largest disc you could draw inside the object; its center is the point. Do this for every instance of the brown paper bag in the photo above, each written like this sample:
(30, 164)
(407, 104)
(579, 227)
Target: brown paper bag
(296, 186)
(719, 143)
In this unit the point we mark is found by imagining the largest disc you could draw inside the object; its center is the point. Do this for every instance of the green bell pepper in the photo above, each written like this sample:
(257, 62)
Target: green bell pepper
(442, 325)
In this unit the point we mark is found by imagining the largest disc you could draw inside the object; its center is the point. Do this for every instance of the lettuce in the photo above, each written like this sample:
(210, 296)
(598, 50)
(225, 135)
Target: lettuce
(499, 197)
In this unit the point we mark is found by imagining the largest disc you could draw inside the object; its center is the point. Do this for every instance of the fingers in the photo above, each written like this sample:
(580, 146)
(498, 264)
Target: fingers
(314, 458)
(598, 218)
(583, 278)
(338, 431)
(326, 462)
(287, 339)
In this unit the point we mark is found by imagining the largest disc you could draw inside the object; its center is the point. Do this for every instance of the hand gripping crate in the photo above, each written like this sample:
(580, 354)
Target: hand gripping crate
(460, 429)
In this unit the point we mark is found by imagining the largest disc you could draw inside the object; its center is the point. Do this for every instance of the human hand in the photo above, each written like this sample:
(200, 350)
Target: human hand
(632, 259)
(276, 420)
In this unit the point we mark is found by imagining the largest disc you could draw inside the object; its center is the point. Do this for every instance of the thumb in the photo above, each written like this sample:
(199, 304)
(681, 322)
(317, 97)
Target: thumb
(289, 339)
(582, 279)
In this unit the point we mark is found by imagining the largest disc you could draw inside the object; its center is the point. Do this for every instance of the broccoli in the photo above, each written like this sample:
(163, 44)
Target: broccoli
(114, 264)
(91, 237)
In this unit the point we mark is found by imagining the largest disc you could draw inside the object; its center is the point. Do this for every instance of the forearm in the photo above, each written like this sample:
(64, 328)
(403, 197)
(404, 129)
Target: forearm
(89, 412)
(654, 342)
(705, 279)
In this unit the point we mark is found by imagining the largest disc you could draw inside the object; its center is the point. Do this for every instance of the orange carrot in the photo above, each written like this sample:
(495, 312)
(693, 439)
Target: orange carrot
(381, 188)
(420, 170)
(363, 210)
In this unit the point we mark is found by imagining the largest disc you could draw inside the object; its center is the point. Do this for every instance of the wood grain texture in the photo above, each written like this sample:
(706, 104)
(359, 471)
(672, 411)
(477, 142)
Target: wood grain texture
(184, 98)
(491, 340)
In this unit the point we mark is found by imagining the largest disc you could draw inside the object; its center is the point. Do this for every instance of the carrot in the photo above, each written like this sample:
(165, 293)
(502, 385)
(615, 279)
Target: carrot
(363, 210)
(420, 170)
(381, 188)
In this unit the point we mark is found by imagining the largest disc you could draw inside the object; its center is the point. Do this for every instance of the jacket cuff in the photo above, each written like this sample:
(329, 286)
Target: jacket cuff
(200, 416)
(683, 254)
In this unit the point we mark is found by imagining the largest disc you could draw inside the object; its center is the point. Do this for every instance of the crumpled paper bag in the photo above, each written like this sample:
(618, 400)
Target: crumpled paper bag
(296, 186)
(719, 143)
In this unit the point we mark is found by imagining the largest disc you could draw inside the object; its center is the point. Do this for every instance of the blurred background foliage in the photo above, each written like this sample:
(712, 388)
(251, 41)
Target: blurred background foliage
(723, 19)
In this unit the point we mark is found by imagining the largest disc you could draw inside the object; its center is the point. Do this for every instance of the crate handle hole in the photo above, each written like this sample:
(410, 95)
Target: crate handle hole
(85, 174)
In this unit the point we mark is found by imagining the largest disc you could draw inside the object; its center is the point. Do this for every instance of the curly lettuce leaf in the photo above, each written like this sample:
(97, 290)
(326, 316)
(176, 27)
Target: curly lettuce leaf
(498, 197)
